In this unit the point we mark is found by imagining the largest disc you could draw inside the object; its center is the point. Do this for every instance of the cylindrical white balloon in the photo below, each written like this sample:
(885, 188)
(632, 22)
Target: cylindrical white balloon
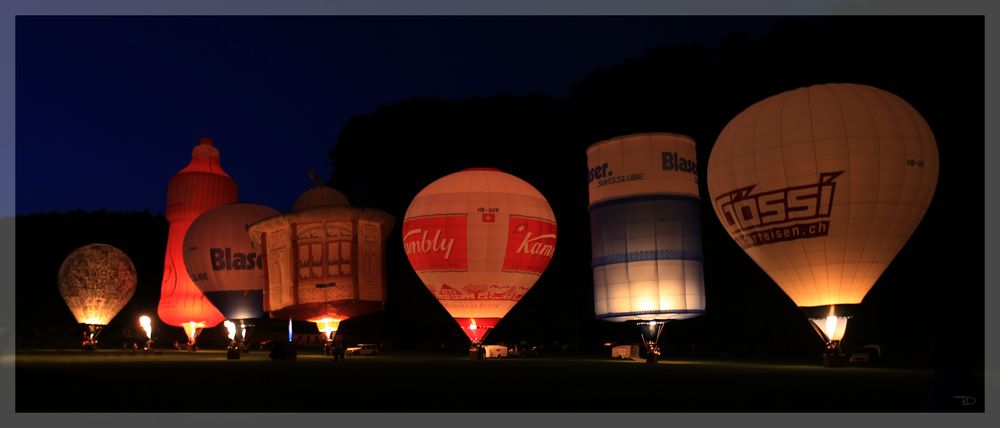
(645, 228)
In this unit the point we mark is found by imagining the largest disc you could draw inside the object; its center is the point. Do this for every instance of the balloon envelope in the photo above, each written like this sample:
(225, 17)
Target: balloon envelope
(823, 185)
(224, 263)
(324, 262)
(645, 228)
(198, 187)
(96, 281)
(479, 239)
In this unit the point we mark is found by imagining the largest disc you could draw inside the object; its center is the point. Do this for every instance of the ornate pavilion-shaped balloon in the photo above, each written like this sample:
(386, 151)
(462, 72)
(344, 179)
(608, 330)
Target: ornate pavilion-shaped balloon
(200, 186)
(324, 261)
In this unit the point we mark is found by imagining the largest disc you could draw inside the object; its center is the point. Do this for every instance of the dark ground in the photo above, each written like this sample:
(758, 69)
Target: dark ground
(180, 381)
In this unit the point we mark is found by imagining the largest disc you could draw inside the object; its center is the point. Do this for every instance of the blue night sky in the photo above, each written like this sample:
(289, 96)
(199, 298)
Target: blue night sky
(109, 108)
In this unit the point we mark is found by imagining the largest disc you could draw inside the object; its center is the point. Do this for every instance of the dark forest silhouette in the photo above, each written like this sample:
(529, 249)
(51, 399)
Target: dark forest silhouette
(927, 307)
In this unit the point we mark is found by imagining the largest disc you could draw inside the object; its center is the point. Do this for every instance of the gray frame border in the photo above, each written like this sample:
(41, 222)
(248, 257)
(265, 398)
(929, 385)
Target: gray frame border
(12, 8)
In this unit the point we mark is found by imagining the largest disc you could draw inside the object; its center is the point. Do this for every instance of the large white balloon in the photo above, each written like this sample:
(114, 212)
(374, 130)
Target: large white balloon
(822, 186)
(224, 263)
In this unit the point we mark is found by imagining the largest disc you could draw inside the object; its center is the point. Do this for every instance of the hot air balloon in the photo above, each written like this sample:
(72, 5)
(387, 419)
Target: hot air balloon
(325, 261)
(198, 187)
(822, 186)
(96, 281)
(479, 239)
(646, 232)
(226, 265)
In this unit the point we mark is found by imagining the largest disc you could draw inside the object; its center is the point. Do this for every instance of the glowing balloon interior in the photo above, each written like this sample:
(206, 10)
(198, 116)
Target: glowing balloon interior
(198, 187)
(96, 281)
(328, 326)
(479, 239)
(224, 263)
(645, 228)
(822, 186)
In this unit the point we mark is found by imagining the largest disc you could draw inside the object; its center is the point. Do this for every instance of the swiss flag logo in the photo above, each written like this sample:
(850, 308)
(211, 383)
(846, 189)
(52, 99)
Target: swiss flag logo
(489, 218)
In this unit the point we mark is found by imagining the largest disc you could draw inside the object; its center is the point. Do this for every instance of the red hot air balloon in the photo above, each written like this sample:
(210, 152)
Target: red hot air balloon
(198, 187)
(479, 239)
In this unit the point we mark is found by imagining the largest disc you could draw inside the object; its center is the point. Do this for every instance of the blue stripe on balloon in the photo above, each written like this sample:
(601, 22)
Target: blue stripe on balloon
(643, 198)
(636, 313)
(641, 256)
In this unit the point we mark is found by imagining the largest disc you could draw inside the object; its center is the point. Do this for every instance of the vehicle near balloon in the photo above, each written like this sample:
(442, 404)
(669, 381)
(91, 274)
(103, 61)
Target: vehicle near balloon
(200, 186)
(495, 351)
(324, 261)
(646, 232)
(227, 266)
(625, 352)
(479, 239)
(822, 186)
(96, 281)
(363, 349)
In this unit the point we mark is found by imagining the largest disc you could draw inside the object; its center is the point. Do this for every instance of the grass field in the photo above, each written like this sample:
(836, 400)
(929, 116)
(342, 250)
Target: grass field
(204, 381)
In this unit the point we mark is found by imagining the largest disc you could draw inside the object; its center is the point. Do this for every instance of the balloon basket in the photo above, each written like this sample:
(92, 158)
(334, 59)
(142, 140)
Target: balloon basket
(233, 353)
(477, 352)
(652, 353)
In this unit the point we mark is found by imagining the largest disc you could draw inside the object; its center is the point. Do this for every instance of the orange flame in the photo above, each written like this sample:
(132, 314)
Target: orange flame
(328, 326)
(192, 329)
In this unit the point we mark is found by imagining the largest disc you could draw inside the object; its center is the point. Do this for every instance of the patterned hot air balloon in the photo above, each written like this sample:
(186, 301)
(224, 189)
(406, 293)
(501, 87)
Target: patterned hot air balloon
(479, 239)
(198, 187)
(822, 186)
(325, 261)
(96, 281)
(226, 265)
(646, 231)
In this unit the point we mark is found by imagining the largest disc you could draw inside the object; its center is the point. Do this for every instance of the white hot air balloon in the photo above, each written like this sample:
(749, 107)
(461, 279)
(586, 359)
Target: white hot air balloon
(822, 186)
(646, 231)
(225, 264)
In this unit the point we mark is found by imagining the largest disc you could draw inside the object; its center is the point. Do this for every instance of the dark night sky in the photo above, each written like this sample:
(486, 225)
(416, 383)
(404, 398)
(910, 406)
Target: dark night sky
(108, 108)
